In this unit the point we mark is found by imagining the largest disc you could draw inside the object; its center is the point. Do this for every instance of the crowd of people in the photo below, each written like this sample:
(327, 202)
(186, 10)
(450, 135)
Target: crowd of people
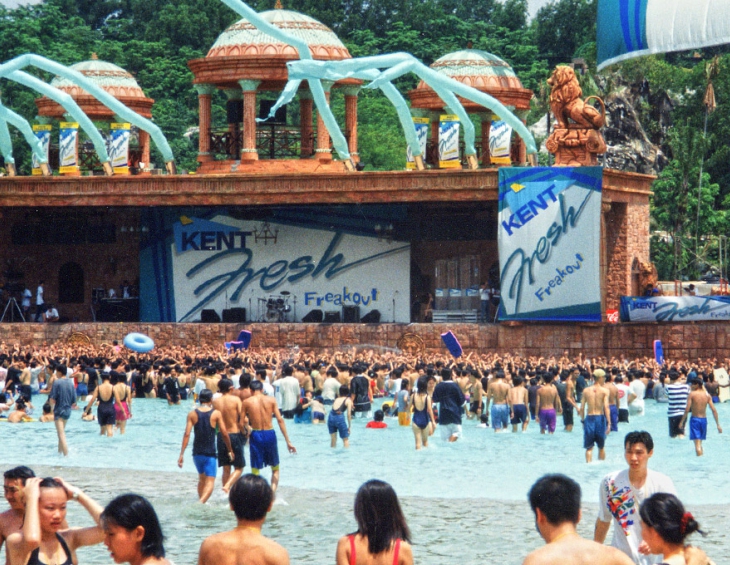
(240, 393)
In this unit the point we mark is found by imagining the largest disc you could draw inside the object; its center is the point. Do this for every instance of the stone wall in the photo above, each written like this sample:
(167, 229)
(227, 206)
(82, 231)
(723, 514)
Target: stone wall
(688, 340)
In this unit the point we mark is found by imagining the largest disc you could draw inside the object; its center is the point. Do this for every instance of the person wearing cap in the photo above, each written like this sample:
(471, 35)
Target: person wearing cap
(597, 423)
(697, 403)
(205, 420)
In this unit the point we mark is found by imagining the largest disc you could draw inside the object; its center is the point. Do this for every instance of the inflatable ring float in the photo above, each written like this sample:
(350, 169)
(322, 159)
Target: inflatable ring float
(139, 343)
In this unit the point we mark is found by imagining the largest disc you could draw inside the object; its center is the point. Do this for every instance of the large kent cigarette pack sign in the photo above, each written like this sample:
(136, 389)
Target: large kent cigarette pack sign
(222, 262)
(549, 243)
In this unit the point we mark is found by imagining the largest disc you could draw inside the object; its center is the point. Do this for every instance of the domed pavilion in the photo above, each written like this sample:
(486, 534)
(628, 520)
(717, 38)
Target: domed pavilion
(117, 82)
(245, 64)
(487, 73)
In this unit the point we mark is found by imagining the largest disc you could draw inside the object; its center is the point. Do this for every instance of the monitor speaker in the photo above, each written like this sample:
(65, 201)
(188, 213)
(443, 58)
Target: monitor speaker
(209, 317)
(234, 316)
(314, 317)
(372, 317)
(351, 314)
(332, 317)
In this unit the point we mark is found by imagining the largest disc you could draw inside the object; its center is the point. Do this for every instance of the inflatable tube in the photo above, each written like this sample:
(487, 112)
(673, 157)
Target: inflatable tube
(139, 343)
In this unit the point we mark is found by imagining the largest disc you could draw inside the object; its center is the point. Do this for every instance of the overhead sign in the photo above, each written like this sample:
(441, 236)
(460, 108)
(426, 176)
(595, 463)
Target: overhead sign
(549, 243)
(675, 308)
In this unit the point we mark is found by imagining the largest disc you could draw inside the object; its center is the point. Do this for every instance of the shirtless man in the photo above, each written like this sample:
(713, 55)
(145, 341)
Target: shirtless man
(612, 399)
(251, 498)
(243, 391)
(498, 395)
(555, 500)
(548, 404)
(229, 405)
(596, 424)
(518, 399)
(11, 520)
(476, 392)
(697, 404)
(205, 420)
(260, 410)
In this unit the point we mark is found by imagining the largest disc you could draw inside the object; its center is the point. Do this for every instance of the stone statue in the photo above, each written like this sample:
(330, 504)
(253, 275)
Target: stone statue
(575, 141)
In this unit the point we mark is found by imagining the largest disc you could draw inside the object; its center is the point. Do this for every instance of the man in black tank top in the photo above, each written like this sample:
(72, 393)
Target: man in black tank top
(204, 420)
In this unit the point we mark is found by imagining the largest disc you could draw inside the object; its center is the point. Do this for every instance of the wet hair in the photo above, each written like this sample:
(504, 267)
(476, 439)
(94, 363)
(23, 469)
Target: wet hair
(665, 514)
(224, 385)
(62, 369)
(21, 472)
(244, 381)
(422, 385)
(633, 438)
(256, 385)
(378, 416)
(50, 482)
(344, 390)
(557, 497)
(251, 497)
(205, 395)
(446, 374)
(130, 511)
(47, 408)
(379, 516)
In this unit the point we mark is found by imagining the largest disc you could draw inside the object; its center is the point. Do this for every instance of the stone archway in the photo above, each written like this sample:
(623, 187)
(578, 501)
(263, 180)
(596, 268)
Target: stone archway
(71, 284)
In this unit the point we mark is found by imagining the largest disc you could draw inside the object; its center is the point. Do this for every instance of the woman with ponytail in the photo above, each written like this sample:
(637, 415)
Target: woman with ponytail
(665, 525)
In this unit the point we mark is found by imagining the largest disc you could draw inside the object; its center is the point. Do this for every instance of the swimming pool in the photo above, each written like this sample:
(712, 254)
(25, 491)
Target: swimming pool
(464, 501)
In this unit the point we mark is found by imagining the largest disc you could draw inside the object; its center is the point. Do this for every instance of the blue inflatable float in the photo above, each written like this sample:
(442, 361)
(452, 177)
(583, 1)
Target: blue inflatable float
(139, 342)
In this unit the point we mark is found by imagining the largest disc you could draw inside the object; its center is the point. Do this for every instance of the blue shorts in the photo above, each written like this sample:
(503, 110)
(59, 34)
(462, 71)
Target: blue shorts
(338, 422)
(500, 416)
(263, 449)
(520, 414)
(613, 411)
(205, 464)
(594, 431)
(82, 389)
(698, 428)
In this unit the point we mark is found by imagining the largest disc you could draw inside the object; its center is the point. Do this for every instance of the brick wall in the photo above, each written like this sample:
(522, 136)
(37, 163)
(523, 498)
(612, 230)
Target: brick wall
(688, 340)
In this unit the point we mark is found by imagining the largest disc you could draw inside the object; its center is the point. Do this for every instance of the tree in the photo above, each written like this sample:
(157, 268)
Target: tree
(562, 27)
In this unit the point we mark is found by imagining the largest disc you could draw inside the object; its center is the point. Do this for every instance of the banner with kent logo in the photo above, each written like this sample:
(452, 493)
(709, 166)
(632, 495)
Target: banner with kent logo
(549, 243)
(675, 308)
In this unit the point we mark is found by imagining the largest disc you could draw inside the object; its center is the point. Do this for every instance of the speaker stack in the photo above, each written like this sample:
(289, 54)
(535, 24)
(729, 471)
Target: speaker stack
(234, 316)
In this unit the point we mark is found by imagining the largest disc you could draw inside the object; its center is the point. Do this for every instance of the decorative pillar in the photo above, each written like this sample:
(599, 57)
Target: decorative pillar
(144, 144)
(249, 153)
(435, 124)
(205, 95)
(351, 93)
(233, 146)
(486, 127)
(306, 105)
(324, 153)
(523, 149)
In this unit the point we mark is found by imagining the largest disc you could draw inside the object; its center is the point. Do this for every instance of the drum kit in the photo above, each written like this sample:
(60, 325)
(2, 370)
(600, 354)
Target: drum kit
(276, 308)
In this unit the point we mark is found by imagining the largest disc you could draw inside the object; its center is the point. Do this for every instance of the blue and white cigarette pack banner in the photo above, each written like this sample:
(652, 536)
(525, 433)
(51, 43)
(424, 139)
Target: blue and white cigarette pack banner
(549, 243)
(631, 28)
(675, 308)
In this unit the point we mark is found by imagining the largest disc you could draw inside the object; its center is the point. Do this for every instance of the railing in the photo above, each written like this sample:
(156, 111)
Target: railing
(273, 141)
(89, 160)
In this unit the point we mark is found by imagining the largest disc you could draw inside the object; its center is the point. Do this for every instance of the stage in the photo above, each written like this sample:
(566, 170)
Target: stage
(681, 340)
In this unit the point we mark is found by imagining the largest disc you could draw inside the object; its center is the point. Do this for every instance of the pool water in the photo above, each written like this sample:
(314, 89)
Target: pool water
(464, 501)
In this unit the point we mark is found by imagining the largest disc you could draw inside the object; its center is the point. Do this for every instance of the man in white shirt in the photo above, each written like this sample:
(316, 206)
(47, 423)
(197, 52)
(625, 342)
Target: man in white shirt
(625, 396)
(621, 494)
(331, 387)
(638, 389)
(289, 391)
(39, 302)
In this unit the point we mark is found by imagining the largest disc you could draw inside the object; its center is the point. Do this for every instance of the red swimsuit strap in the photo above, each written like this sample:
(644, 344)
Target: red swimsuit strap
(352, 550)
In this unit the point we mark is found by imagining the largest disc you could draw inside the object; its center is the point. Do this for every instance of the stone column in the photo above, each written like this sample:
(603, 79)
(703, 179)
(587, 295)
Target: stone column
(351, 93)
(249, 153)
(523, 149)
(486, 127)
(305, 124)
(324, 153)
(233, 145)
(205, 94)
(435, 124)
(144, 143)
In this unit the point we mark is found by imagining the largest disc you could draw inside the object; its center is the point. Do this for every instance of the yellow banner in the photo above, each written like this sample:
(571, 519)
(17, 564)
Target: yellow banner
(69, 125)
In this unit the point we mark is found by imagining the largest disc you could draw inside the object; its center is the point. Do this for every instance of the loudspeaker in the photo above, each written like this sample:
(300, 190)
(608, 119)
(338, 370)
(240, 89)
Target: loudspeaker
(234, 316)
(234, 111)
(314, 317)
(209, 317)
(372, 317)
(351, 314)
(332, 317)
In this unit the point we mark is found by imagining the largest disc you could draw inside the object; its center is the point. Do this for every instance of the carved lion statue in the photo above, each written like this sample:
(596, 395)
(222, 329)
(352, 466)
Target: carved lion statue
(567, 104)
(648, 276)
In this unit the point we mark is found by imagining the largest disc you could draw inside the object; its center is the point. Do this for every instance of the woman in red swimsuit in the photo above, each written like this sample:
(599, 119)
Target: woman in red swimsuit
(382, 536)
(43, 539)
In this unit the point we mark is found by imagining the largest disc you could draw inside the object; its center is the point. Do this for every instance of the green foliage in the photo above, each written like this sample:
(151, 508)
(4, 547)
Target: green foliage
(563, 27)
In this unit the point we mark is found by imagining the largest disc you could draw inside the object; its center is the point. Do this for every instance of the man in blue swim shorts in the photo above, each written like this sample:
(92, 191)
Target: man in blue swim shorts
(597, 423)
(498, 395)
(697, 404)
(261, 410)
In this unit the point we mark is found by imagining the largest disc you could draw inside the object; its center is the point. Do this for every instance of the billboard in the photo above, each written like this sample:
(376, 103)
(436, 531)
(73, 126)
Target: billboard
(549, 231)
(675, 308)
